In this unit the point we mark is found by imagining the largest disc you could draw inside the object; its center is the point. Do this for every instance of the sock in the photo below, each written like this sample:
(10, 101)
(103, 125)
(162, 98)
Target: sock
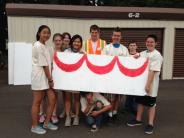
(114, 112)
(94, 126)
(110, 114)
(53, 114)
(40, 113)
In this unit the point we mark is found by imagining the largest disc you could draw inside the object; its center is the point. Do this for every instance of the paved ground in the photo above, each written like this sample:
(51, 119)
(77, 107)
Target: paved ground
(15, 119)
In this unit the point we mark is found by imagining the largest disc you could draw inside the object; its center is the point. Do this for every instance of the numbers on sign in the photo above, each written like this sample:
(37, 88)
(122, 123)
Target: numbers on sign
(137, 15)
(134, 15)
(130, 15)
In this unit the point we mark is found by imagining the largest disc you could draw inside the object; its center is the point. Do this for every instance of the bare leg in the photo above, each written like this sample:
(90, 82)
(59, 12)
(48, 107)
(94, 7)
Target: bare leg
(62, 115)
(77, 103)
(140, 110)
(42, 107)
(113, 105)
(77, 108)
(37, 99)
(55, 107)
(68, 102)
(51, 103)
(68, 96)
(111, 100)
(151, 115)
(116, 103)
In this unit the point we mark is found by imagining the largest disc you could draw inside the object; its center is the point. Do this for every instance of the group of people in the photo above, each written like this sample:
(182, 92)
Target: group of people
(98, 108)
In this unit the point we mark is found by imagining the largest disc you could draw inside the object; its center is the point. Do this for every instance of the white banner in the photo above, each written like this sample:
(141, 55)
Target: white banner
(100, 73)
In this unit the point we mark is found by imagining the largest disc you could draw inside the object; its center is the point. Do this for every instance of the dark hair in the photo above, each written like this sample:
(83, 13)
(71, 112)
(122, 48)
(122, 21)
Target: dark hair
(73, 39)
(39, 31)
(94, 27)
(66, 33)
(57, 34)
(131, 42)
(84, 94)
(152, 36)
(117, 29)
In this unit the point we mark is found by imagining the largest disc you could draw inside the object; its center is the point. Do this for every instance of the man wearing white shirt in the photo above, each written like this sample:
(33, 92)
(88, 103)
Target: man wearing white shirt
(115, 49)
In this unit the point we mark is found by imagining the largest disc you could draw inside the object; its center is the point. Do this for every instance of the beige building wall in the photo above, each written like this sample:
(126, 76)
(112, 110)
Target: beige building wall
(23, 29)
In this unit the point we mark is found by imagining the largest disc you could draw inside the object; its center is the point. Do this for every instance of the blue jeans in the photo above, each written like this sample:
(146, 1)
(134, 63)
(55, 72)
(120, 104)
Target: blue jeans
(98, 120)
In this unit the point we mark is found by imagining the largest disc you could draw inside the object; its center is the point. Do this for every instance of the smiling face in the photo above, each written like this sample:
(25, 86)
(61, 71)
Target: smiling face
(116, 37)
(44, 35)
(95, 34)
(150, 44)
(77, 44)
(66, 41)
(58, 43)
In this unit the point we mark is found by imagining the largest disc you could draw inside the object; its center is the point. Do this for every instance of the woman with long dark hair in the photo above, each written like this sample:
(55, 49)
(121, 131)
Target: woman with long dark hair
(41, 80)
(76, 47)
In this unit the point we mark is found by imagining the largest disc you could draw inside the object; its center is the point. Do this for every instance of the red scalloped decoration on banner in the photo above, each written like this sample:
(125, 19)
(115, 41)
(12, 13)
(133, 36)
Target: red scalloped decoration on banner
(132, 72)
(101, 69)
(69, 67)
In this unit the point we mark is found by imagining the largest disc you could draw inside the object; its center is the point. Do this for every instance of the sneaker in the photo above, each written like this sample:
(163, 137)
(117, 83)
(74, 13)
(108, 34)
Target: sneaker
(115, 117)
(62, 115)
(94, 128)
(50, 126)
(76, 121)
(68, 121)
(41, 118)
(54, 119)
(134, 123)
(114, 112)
(38, 130)
(148, 129)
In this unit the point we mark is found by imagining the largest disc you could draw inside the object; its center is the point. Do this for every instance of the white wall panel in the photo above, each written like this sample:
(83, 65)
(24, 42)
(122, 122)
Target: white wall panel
(23, 29)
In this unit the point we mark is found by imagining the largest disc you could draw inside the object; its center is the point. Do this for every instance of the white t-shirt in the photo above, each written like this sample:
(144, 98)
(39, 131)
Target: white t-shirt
(132, 55)
(69, 50)
(96, 97)
(112, 51)
(94, 46)
(41, 56)
(155, 64)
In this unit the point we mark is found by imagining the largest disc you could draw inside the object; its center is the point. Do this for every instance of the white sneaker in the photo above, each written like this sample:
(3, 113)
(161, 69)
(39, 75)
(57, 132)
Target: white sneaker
(68, 121)
(38, 130)
(76, 121)
(54, 119)
(62, 115)
(50, 126)
(94, 128)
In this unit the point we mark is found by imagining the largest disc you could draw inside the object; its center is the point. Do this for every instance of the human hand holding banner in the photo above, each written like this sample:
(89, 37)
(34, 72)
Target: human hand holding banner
(100, 73)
